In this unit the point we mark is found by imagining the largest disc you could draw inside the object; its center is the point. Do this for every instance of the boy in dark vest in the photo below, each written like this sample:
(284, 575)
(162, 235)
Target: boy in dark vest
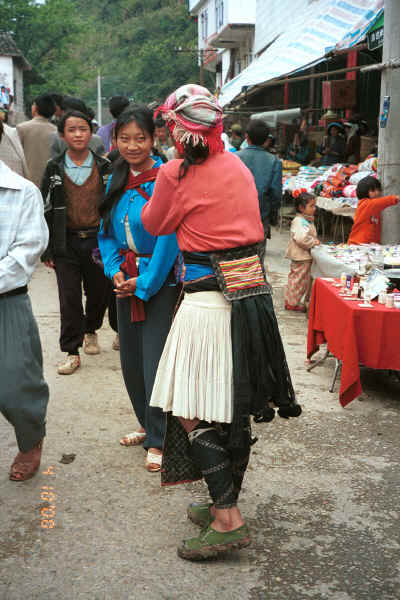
(72, 188)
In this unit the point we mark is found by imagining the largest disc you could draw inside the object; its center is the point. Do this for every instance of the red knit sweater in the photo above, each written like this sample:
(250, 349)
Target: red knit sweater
(367, 220)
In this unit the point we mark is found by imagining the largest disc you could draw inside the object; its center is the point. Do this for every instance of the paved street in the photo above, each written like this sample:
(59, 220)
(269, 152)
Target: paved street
(321, 493)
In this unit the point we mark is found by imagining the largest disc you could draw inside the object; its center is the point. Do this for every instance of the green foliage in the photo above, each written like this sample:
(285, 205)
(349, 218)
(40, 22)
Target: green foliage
(47, 34)
(133, 42)
(138, 42)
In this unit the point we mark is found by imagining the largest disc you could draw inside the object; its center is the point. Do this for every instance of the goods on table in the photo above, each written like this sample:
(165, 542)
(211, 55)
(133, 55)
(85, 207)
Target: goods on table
(336, 259)
(338, 182)
(364, 255)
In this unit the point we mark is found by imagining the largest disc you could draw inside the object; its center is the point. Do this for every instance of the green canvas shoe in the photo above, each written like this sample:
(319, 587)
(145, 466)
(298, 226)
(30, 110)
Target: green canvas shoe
(199, 513)
(210, 543)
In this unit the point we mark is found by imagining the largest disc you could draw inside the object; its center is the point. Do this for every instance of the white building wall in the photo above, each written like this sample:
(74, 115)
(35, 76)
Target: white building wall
(240, 11)
(271, 19)
(19, 89)
(234, 12)
(226, 61)
(6, 72)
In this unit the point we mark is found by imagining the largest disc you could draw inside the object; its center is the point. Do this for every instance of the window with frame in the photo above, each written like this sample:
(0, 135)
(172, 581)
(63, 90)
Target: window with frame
(204, 24)
(219, 13)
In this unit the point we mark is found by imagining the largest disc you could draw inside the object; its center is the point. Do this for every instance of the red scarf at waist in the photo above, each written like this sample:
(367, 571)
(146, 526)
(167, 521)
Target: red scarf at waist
(129, 265)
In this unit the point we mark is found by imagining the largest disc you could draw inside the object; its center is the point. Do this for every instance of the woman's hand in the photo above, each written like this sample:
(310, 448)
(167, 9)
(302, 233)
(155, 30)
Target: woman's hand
(118, 278)
(49, 263)
(124, 289)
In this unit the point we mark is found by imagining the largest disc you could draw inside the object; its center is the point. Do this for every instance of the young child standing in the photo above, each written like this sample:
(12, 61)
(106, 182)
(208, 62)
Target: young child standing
(367, 220)
(303, 237)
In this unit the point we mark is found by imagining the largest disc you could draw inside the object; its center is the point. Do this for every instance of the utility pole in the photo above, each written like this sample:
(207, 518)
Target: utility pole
(201, 77)
(389, 133)
(99, 110)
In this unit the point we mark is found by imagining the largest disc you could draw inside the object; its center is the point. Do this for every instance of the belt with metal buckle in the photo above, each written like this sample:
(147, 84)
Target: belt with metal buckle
(84, 233)
(16, 292)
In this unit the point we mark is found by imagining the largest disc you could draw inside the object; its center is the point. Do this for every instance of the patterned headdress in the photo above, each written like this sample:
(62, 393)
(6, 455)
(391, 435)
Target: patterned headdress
(193, 115)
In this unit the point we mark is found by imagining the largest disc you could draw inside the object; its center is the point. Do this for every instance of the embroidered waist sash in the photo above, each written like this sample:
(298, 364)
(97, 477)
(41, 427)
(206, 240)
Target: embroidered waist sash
(261, 376)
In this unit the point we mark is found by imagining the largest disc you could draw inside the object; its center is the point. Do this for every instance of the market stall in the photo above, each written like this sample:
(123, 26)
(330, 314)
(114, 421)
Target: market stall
(355, 334)
(331, 260)
(335, 188)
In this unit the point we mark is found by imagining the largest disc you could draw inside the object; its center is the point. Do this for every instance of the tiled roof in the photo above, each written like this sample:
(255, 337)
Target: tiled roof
(9, 48)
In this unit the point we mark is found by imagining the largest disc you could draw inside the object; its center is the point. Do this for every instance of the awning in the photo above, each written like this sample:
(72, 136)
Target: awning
(322, 26)
(274, 117)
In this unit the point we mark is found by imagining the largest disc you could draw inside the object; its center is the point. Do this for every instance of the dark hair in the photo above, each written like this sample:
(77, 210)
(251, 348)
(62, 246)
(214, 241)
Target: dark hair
(258, 131)
(45, 105)
(117, 104)
(302, 200)
(90, 113)
(159, 122)
(273, 140)
(143, 117)
(192, 155)
(58, 99)
(73, 113)
(366, 185)
(71, 103)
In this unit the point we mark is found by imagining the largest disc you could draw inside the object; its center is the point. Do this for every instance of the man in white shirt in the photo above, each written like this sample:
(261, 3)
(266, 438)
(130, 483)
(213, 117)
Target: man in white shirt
(23, 392)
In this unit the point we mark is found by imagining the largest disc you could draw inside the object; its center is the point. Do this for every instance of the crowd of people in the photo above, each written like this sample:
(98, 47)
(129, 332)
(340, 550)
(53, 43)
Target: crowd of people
(163, 219)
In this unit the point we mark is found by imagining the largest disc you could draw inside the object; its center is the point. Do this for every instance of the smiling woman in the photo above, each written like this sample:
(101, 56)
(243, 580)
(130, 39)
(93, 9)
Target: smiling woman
(141, 267)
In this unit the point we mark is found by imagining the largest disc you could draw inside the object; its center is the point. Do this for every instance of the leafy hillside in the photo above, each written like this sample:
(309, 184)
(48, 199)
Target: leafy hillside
(134, 43)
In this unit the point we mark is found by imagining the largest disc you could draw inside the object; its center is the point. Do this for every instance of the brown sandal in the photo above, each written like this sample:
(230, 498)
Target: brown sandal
(26, 464)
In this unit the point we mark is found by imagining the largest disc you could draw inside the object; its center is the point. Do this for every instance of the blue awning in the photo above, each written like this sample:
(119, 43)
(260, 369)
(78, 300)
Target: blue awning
(321, 27)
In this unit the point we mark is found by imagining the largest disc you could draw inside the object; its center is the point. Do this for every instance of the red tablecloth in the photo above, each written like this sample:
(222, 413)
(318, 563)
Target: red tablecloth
(355, 335)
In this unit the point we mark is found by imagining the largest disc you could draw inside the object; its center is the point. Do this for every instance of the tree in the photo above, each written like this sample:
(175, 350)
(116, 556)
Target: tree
(48, 35)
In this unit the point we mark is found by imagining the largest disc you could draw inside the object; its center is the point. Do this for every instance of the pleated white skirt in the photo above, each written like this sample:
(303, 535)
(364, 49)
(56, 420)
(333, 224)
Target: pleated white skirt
(194, 376)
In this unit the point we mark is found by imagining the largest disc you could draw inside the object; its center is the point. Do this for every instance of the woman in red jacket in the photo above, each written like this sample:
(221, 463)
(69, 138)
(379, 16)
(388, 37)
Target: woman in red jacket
(367, 220)
(223, 360)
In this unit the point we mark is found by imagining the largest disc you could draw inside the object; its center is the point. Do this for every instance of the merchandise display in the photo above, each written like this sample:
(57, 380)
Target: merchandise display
(331, 260)
(335, 186)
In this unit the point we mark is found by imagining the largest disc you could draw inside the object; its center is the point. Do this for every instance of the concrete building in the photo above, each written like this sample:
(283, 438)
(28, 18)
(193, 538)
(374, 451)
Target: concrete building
(225, 35)
(12, 67)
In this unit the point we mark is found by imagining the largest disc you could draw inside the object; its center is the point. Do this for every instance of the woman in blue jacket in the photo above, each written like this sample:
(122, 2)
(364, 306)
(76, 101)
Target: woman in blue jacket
(142, 269)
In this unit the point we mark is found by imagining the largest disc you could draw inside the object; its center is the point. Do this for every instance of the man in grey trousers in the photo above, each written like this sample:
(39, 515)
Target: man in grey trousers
(23, 392)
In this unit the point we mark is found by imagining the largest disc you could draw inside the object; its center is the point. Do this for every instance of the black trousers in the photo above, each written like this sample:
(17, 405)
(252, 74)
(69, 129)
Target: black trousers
(74, 268)
(141, 346)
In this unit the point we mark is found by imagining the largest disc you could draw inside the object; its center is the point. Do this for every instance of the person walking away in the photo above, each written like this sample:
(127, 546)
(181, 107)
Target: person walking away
(24, 393)
(236, 136)
(223, 359)
(303, 237)
(12, 153)
(36, 136)
(266, 170)
(59, 100)
(73, 188)
(58, 145)
(116, 105)
(367, 219)
(142, 269)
